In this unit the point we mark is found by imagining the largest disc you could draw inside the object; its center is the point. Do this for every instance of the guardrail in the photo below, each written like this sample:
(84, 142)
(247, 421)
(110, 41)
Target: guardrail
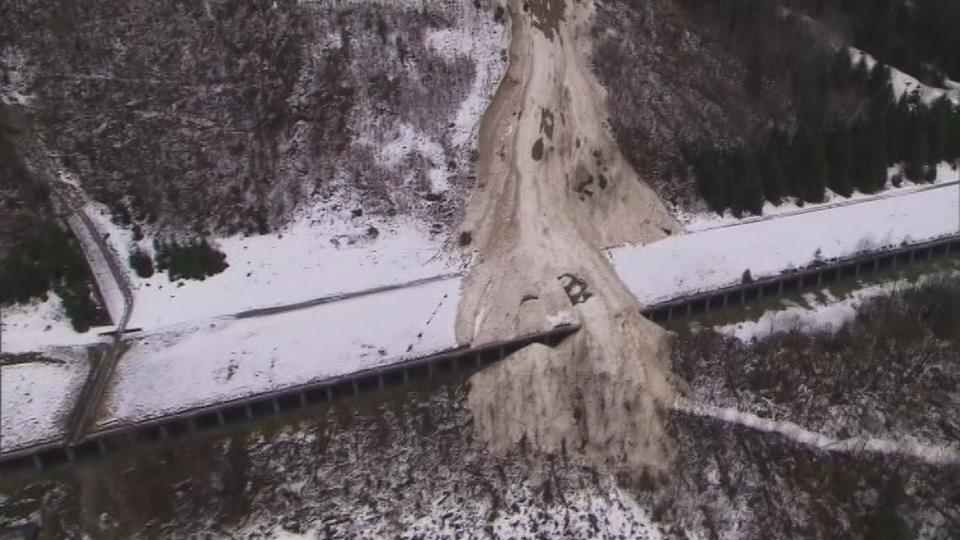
(798, 280)
(247, 409)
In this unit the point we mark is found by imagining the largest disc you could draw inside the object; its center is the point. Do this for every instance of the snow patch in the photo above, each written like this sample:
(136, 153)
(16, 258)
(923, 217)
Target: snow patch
(931, 454)
(411, 142)
(35, 397)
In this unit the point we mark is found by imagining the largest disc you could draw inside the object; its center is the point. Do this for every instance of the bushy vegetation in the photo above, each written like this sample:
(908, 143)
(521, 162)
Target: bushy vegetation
(827, 153)
(910, 337)
(47, 258)
(192, 261)
(141, 263)
(36, 253)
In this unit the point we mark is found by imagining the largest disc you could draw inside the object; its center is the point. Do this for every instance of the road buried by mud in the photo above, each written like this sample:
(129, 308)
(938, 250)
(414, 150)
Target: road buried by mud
(553, 192)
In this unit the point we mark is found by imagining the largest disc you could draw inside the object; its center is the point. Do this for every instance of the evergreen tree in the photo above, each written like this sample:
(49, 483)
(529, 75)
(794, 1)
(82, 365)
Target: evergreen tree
(879, 78)
(840, 156)
(141, 262)
(872, 158)
(710, 181)
(771, 169)
(725, 184)
(751, 191)
(953, 136)
(919, 156)
(861, 73)
(939, 118)
(842, 71)
(817, 169)
(794, 160)
(898, 127)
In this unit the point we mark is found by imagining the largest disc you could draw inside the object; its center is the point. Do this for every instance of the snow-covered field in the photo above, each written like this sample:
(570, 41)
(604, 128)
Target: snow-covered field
(312, 258)
(35, 397)
(197, 364)
(713, 258)
(39, 325)
(319, 254)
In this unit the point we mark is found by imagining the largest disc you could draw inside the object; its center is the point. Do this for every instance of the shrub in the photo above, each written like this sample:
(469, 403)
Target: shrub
(142, 263)
(193, 261)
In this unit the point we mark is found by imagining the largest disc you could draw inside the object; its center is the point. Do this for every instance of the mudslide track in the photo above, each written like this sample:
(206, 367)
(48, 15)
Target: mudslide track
(553, 192)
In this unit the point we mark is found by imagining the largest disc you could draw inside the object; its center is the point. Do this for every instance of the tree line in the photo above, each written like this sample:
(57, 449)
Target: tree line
(823, 152)
(47, 258)
(921, 37)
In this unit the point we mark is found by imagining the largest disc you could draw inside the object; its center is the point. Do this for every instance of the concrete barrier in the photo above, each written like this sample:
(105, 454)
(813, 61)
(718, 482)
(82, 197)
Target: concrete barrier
(799, 280)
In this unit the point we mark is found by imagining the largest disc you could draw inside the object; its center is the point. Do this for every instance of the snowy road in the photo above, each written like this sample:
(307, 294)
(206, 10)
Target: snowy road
(226, 358)
(714, 258)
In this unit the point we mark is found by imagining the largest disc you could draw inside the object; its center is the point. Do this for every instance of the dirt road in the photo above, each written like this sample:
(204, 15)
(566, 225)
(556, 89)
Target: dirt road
(554, 192)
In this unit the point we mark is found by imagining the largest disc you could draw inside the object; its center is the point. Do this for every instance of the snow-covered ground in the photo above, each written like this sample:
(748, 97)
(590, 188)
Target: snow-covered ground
(197, 364)
(699, 221)
(579, 514)
(484, 48)
(35, 397)
(828, 315)
(932, 454)
(39, 325)
(319, 254)
(713, 258)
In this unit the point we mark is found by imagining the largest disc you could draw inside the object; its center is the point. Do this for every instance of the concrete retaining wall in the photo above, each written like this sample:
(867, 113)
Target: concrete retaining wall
(248, 409)
(814, 277)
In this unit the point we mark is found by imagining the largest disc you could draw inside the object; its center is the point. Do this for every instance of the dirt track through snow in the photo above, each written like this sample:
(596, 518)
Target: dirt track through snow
(553, 193)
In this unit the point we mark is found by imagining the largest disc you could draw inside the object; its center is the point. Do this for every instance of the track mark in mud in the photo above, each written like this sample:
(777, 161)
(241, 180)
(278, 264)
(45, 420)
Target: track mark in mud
(602, 181)
(586, 182)
(583, 187)
(597, 397)
(537, 151)
(546, 123)
(528, 298)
